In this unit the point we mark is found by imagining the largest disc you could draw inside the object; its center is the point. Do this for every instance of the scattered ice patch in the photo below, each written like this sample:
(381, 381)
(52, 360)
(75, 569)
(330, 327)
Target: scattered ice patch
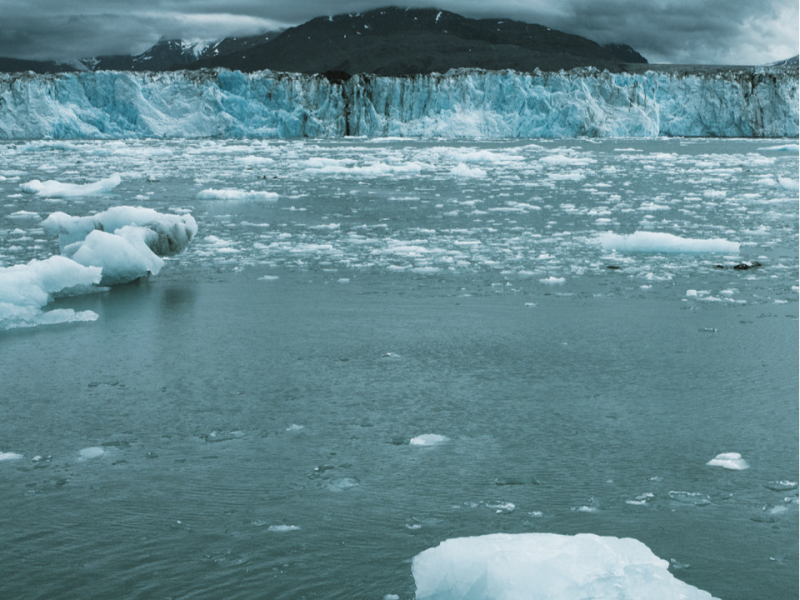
(502, 508)
(553, 280)
(781, 486)
(56, 189)
(10, 456)
(212, 194)
(90, 453)
(695, 498)
(512, 566)
(729, 460)
(428, 439)
(651, 241)
(462, 170)
(283, 528)
(641, 499)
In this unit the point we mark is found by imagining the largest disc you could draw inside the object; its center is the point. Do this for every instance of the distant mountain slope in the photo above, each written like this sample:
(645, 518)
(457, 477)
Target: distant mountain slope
(396, 41)
(626, 54)
(789, 62)
(13, 65)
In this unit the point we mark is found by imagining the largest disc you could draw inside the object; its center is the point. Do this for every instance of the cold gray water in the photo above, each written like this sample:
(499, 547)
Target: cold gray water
(246, 423)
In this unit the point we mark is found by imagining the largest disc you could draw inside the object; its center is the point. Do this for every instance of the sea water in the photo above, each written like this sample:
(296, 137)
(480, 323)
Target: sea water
(373, 346)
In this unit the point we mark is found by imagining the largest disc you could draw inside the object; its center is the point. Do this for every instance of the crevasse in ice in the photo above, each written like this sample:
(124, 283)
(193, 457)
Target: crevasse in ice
(757, 102)
(540, 566)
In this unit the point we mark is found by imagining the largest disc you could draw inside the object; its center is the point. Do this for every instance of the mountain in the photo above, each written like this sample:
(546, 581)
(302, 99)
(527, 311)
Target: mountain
(789, 62)
(389, 41)
(397, 41)
(626, 54)
(14, 65)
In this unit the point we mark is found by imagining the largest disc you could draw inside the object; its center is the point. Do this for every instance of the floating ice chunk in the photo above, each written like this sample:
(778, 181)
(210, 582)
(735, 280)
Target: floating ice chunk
(789, 184)
(545, 565)
(428, 439)
(174, 232)
(781, 486)
(26, 289)
(123, 257)
(695, 498)
(295, 427)
(283, 528)
(56, 189)
(90, 453)
(254, 160)
(10, 456)
(650, 241)
(729, 460)
(553, 280)
(462, 170)
(228, 194)
(502, 507)
(784, 148)
(268, 278)
(343, 483)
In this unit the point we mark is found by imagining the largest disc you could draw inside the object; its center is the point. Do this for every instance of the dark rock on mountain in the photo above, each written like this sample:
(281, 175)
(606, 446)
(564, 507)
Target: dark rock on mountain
(396, 41)
(789, 62)
(625, 53)
(13, 65)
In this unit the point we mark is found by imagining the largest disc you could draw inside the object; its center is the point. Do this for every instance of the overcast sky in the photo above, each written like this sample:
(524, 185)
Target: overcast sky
(744, 32)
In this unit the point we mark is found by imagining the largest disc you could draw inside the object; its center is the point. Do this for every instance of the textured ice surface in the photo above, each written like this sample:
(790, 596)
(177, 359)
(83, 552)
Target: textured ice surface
(56, 189)
(428, 439)
(26, 289)
(546, 566)
(651, 241)
(461, 103)
(729, 460)
(212, 194)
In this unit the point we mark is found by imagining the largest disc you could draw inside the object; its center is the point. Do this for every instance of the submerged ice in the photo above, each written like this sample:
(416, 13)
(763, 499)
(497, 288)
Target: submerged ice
(545, 565)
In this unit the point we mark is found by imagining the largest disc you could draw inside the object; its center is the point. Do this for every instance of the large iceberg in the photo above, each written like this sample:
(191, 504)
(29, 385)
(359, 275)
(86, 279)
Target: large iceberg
(754, 102)
(544, 566)
(118, 245)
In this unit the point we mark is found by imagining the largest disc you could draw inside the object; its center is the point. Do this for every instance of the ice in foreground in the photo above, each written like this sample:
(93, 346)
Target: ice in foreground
(534, 566)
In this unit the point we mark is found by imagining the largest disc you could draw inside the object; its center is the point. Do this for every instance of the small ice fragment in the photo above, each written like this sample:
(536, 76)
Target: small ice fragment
(781, 486)
(10, 456)
(268, 278)
(393, 596)
(553, 280)
(695, 498)
(691, 293)
(343, 280)
(641, 499)
(428, 439)
(678, 566)
(283, 528)
(295, 427)
(343, 483)
(90, 453)
(729, 460)
(502, 508)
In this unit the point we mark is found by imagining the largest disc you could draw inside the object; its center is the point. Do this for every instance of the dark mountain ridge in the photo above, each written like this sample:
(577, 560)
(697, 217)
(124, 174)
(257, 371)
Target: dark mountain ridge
(387, 41)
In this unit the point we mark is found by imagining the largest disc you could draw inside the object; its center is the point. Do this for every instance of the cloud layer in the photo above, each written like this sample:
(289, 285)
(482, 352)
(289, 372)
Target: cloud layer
(664, 31)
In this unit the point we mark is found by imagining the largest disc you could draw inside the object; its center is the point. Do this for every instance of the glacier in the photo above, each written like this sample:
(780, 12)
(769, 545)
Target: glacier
(462, 103)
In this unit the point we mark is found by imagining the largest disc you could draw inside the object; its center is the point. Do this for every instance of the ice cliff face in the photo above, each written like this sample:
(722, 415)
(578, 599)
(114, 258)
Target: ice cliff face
(759, 102)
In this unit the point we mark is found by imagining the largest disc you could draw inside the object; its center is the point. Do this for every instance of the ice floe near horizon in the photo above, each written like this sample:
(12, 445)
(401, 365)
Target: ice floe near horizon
(212, 194)
(56, 189)
(729, 460)
(653, 241)
(546, 565)
(428, 439)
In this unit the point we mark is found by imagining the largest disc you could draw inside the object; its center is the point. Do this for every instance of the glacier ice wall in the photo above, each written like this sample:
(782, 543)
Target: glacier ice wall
(757, 102)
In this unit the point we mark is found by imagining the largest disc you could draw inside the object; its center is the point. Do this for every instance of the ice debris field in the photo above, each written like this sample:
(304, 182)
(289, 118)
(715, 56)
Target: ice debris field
(555, 214)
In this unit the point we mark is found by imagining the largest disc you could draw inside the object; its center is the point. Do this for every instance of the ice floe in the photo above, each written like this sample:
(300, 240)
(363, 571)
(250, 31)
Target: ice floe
(729, 460)
(545, 565)
(56, 189)
(652, 241)
(428, 439)
(283, 528)
(92, 452)
(9, 456)
(212, 194)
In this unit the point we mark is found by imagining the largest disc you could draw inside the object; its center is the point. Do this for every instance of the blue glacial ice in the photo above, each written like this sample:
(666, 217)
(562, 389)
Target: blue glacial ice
(756, 102)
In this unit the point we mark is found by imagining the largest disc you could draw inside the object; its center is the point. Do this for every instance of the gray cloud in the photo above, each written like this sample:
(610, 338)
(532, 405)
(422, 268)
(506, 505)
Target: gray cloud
(674, 31)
